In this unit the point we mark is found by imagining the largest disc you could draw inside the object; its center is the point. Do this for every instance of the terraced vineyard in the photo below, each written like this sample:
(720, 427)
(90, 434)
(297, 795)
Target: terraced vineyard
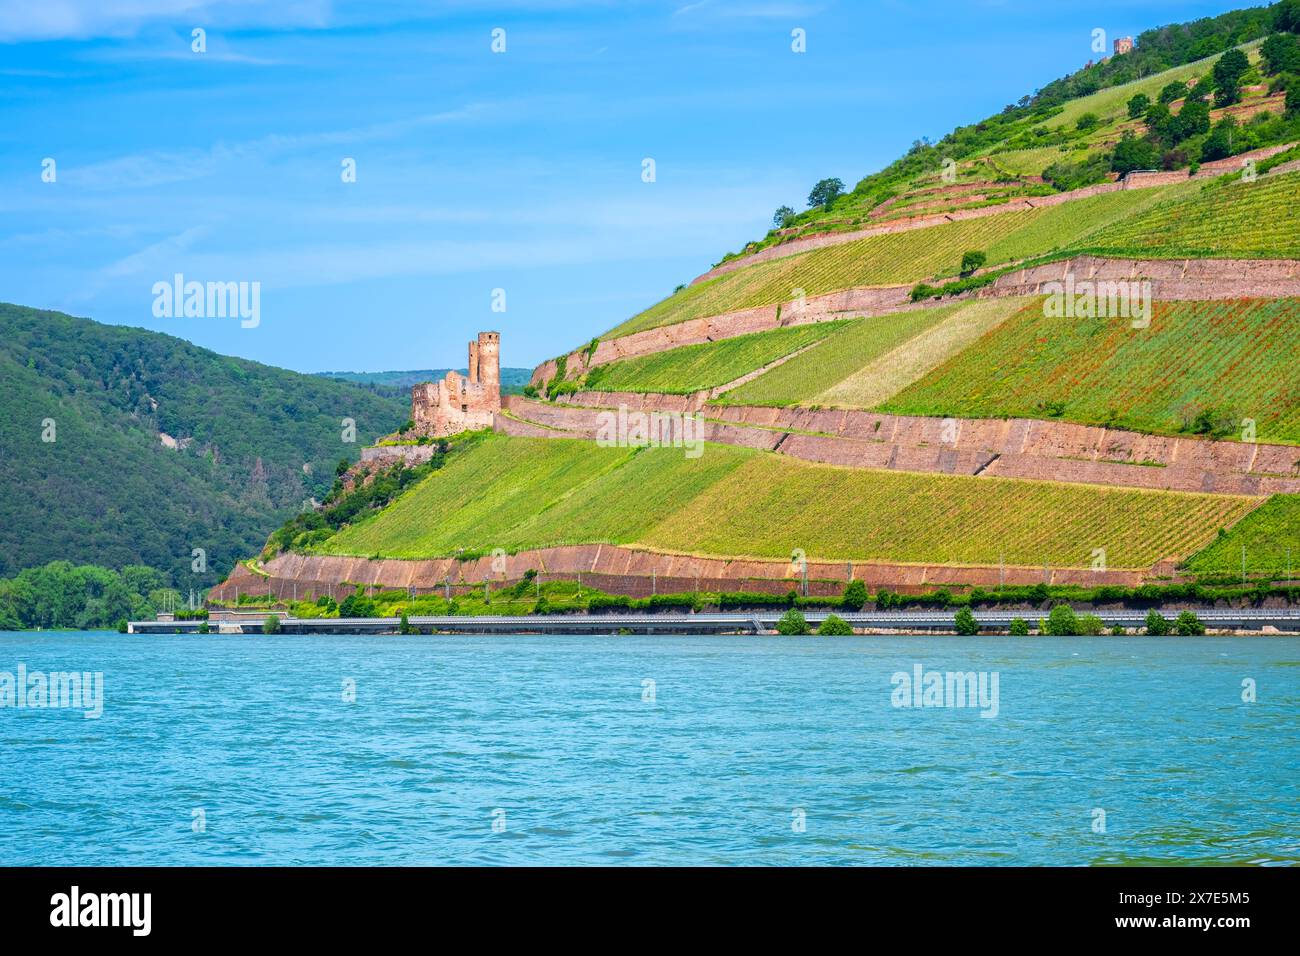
(517, 493)
(890, 259)
(888, 373)
(1271, 538)
(1221, 362)
(900, 258)
(1223, 219)
(693, 368)
(834, 359)
(1070, 224)
(498, 483)
(772, 504)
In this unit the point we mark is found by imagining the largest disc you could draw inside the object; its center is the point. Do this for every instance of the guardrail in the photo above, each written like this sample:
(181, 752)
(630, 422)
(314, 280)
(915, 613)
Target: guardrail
(715, 623)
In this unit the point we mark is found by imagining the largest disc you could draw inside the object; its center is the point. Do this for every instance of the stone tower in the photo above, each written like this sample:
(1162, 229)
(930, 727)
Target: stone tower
(462, 402)
(489, 361)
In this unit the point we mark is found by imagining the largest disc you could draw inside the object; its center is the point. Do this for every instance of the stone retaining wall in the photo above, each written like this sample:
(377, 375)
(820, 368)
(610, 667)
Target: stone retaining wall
(1172, 280)
(390, 454)
(623, 570)
(1008, 448)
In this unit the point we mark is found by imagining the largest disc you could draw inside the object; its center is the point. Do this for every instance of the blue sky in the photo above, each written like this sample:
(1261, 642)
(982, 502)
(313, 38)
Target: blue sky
(476, 171)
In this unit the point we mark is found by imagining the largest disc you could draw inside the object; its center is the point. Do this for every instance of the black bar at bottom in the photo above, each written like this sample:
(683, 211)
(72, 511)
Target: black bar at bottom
(331, 906)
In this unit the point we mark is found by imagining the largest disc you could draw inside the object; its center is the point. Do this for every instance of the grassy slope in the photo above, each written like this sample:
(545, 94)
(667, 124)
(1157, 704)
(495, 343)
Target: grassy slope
(1234, 357)
(836, 358)
(1224, 219)
(516, 493)
(107, 492)
(1270, 535)
(692, 368)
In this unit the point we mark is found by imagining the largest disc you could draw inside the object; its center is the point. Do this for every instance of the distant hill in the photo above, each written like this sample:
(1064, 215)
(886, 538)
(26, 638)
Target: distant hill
(513, 380)
(251, 443)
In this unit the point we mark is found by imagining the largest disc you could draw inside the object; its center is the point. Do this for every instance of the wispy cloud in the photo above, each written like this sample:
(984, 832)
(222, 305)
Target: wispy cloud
(86, 19)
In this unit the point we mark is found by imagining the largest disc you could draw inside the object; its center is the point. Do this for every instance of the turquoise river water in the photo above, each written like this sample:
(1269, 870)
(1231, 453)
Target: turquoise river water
(650, 750)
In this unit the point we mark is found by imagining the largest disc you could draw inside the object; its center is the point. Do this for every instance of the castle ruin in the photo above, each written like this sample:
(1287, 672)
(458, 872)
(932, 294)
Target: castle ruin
(461, 402)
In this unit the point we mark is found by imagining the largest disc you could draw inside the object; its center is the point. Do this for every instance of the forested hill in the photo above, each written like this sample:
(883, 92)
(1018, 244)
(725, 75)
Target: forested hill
(88, 417)
(513, 380)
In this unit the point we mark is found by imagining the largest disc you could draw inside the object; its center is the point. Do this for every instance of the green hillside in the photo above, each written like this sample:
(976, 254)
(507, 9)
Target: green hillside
(1066, 131)
(1200, 367)
(258, 442)
(518, 493)
(512, 379)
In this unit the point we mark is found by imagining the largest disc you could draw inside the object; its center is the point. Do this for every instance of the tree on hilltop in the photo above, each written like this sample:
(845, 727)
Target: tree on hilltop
(781, 218)
(1138, 105)
(826, 192)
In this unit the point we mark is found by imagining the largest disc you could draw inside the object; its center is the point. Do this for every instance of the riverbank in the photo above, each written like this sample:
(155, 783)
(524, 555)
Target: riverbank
(1219, 620)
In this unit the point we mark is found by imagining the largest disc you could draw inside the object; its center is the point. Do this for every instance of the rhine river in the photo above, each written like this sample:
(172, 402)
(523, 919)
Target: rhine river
(652, 750)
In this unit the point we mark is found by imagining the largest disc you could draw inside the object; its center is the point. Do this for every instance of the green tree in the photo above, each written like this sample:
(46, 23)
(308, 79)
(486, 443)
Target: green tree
(826, 192)
(1156, 625)
(1132, 153)
(404, 625)
(781, 218)
(1286, 16)
(1193, 119)
(1062, 621)
(834, 626)
(792, 622)
(1138, 105)
(1293, 99)
(855, 596)
(1221, 142)
(1188, 625)
(1173, 91)
(1090, 625)
(964, 622)
(271, 625)
(1019, 627)
(1280, 54)
(1228, 70)
(1088, 121)
(971, 261)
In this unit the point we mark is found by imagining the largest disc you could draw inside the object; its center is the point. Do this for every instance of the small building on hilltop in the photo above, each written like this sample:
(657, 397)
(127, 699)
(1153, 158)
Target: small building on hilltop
(1123, 45)
(461, 402)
